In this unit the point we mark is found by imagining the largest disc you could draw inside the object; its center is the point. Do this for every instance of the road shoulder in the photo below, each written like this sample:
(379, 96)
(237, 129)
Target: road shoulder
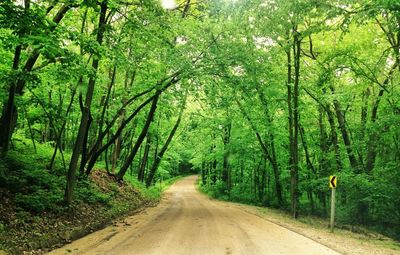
(342, 241)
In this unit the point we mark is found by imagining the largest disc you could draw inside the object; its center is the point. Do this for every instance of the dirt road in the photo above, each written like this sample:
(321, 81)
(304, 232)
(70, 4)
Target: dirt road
(187, 222)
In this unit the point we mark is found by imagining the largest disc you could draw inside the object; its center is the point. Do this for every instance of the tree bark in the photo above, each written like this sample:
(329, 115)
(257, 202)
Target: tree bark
(85, 117)
(345, 134)
(323, 143)
(273, 158)
(86, 156)
(372, 142)
(140, 139)
(225, 175)
(334, 138)
(294, 173)
(160, 154)
(111, 140)
(144, 159)
(9, 115)
(306, 152)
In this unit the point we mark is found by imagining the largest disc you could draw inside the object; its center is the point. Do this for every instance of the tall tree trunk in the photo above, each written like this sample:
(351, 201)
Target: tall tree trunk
(85, 117)
(306, 152)
(9, 115)
(364, 112)
(363, 122)
(140, 139)
(160, 155)
(394, 40)
(294, 173)
(323, 137)
(323, 142)
(273, 157)
(115, 155)
(105, 101)
(345, 134)
(225, 175)
(372, 142)
(145, 158)
(334, 138)
(263, 181)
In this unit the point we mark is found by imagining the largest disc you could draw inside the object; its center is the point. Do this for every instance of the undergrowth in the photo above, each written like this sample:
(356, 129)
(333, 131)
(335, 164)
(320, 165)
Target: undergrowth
(33, 214)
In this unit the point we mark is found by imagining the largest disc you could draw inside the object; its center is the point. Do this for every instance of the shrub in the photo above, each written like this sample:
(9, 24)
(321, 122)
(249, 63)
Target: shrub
(38, 201)
(87, 192)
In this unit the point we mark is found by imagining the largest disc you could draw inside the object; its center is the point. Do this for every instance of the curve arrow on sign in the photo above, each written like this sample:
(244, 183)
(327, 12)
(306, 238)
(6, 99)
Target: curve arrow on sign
(333, 182)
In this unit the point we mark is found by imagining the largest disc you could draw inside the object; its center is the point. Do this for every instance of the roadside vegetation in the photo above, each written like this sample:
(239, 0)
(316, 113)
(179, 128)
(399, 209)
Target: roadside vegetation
(33, 216)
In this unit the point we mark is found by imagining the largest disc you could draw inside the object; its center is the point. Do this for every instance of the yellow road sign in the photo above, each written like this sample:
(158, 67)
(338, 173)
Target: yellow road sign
(332, 181)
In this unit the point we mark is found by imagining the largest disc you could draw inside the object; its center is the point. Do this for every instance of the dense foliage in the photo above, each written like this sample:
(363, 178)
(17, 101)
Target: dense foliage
(265, 98)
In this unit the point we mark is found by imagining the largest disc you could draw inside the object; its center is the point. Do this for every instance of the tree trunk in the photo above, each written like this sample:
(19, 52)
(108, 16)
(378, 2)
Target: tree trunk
(140, 139)
(225, 176)
(170, 80)
(372, 142)
(111, 140)
(105, 101)
(345, 134)
(115, 155)
(62, 130)
(84, 123)
(334, 138)
(160, 155)
(145, 158)
(270, 156)
(306, 152)
(294, 173)
(273, 157)
(323, 143)
(9, 115)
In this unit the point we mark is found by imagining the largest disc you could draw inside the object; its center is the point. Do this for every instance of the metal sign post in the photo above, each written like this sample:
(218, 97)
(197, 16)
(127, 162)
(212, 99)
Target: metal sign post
(332, 185)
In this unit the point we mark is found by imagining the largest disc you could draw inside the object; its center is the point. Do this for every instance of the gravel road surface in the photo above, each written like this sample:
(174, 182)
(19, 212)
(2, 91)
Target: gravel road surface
(187, 222)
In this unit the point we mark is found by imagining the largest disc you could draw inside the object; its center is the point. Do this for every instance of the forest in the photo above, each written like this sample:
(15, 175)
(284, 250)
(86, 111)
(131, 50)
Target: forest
(264, 99)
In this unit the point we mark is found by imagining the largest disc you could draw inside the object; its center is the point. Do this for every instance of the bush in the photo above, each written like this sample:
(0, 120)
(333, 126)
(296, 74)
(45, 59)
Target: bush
(34, 188)
(370, 200)
(92, 197)
(238, 194)
(218, 190)
(39, 201)
(87, 192)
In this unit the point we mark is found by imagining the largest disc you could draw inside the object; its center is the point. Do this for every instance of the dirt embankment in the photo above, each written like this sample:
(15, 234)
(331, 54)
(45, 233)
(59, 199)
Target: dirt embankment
(31, 233)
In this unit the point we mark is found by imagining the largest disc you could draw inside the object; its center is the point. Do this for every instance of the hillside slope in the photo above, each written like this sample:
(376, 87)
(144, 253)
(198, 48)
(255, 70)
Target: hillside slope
(33, 216)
